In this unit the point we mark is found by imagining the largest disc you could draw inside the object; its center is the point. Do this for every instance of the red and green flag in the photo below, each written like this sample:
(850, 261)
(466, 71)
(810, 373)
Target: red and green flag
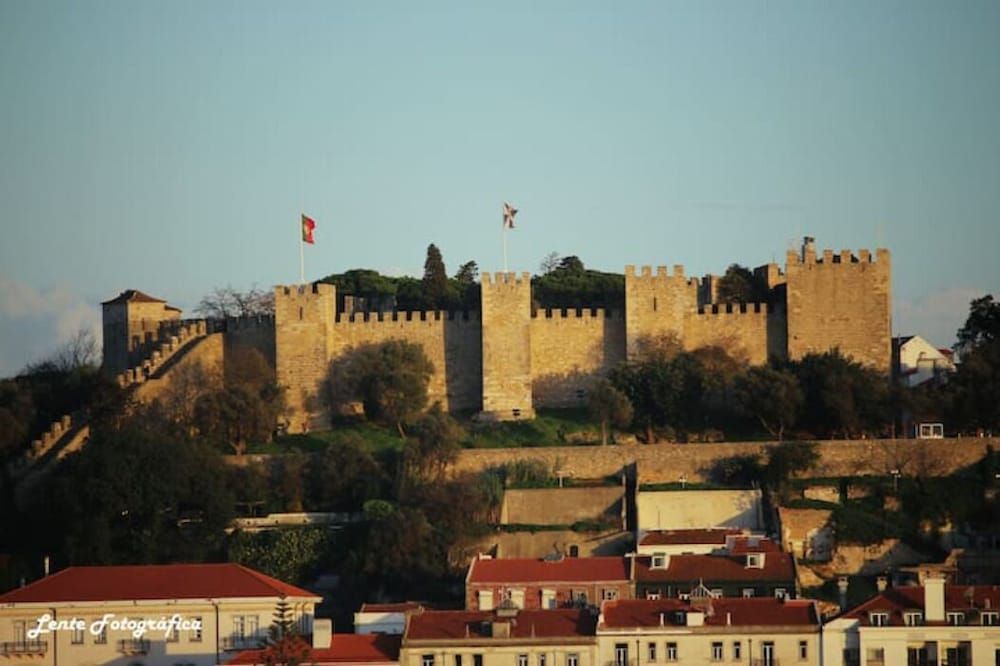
(308, 225)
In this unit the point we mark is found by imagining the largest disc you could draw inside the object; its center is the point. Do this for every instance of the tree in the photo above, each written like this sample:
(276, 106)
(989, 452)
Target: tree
(283, 645)
(291, 554)
(435, 281)
(434, 444)
(610, 407)
(225, 302)
(549, 263)
(841, 396)
(739, 285)
(468, 272)
(770, 395)
(390, 379)
(786, 460)
(982, 325)
(344, 476)
(653, 387)
(140, 494)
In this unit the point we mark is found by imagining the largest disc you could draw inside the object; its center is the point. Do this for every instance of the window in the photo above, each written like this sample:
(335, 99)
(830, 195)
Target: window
(427, 660)
(956, 619)
(747, 592)
(76, 637)
(485, 600)
(477, 660)
(716, 592)
(755, 560)
(803, 650)
(875, 655)
(574, 551)
(780, 593)
(767, 654)
(717, 651)
(522, 660)
(572, 659)
(541, 659)
(652, 594)
(989, 619)
(621, 654)
(659, 561)
(609, 594)
(913, 618)
(102, 638)
(878, 619)
(737, 650)
(548, 598)
(458, 660)
(195, 636)
(917, 656)
(671, 651)
(651, 652)
(173, 636)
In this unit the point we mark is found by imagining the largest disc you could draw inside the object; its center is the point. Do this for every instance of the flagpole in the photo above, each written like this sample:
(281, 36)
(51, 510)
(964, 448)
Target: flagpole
(504, 233)
(302, 259)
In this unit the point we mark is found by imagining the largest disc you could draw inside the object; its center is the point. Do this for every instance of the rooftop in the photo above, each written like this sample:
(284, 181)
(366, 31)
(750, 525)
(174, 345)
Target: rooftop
(757, 611)
(157, 581)
(400, 607)
(445, 625)
(566, 570)
(711, 568)
(133, 296)
(344, 649)
(897, 600)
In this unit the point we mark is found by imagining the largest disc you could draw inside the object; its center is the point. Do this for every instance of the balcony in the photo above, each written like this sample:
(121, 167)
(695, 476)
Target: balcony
(237, 642)
(23, 648)
(133, 646)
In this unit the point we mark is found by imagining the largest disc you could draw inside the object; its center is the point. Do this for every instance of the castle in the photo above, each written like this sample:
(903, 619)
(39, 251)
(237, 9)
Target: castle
(507, 359)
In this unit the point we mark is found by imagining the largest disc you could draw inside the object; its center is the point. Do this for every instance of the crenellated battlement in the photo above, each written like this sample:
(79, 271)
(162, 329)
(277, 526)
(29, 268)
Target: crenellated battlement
(249, 323)
(304, 290)
(577, 313)
(734, 309)
(661, 274)
(174, 336)
(407, 317)
(510, 279)
(828, 257)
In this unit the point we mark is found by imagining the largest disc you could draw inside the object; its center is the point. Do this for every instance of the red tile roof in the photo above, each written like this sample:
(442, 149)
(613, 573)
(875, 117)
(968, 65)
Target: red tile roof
(744, 545)
(133, 296)
(692, 536)
(344, 649)
(757, 611)
(567, 570)
(449, 625)
(687, 568)
(166, 581)
(897, 600)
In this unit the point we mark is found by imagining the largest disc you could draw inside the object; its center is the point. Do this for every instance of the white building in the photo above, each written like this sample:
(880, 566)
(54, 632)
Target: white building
(194, 614)
(918, 361)
(933, 624)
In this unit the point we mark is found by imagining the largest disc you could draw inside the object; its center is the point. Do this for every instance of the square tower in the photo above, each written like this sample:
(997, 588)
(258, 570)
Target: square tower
(506, 309)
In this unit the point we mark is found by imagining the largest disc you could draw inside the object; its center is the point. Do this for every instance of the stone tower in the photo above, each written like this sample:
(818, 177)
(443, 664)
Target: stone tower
(506, 335)
(304, 318)
(840, 301)
(131, 325)
(655, 306)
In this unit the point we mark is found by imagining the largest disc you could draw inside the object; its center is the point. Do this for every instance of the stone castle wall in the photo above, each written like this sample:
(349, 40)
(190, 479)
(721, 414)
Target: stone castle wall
(570, 350)
(740, 330)
(667, 463)
(506, 340)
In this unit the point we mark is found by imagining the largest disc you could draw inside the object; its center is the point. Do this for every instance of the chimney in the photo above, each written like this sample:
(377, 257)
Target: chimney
(322, 632)
(934, 599)
(842, 589)
(46, 565)
(881, 583)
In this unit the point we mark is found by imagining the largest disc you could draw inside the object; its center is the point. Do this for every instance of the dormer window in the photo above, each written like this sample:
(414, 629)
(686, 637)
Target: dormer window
(956, 619)
(659, 561)
(879, 619)
(989, 619)
(679, 618)
(755, 560)
(913, 618)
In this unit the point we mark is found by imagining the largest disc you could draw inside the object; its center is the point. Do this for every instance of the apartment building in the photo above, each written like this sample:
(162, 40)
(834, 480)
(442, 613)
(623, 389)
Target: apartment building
(546, 583)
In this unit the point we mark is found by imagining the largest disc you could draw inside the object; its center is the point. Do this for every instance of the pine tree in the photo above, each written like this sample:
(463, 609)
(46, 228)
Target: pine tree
(283, 645)
(435, 282)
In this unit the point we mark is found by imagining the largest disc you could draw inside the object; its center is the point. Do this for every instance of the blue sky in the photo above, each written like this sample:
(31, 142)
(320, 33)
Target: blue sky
(171, 146)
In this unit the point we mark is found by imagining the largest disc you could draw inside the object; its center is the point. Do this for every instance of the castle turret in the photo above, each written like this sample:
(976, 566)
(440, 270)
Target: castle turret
(304, 317)
(840, 300)
(655, 306)
(506, 334)
(131, 326)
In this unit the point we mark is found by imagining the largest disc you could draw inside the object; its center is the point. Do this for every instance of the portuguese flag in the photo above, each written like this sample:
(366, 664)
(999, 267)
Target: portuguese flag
(308, 225)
